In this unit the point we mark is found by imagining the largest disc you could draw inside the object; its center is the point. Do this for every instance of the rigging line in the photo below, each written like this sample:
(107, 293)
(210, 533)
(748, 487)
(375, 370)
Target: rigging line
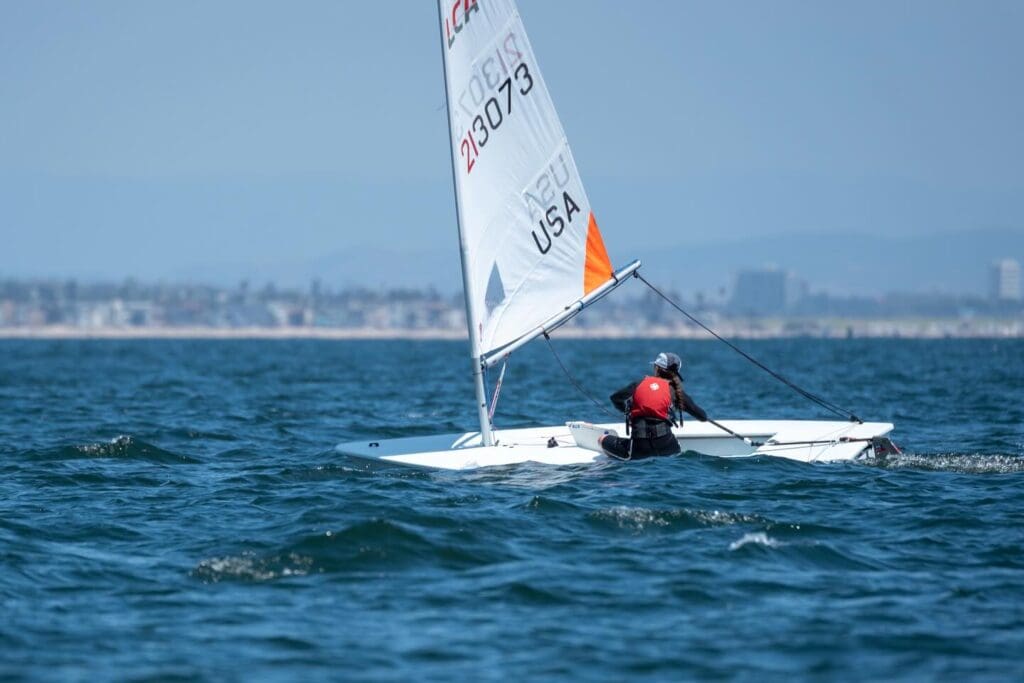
(821, 446)
(579, 388)
(497, 390)
(811, 443)
(803, 392)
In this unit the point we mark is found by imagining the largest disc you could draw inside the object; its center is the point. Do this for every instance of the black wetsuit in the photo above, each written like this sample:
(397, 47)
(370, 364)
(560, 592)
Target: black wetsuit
(648, 437)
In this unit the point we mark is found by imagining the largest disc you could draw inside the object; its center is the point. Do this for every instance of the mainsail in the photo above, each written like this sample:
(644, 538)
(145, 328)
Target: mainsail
(530, 242)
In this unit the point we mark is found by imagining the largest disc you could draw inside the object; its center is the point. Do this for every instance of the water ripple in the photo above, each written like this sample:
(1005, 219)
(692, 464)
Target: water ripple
(222, 522)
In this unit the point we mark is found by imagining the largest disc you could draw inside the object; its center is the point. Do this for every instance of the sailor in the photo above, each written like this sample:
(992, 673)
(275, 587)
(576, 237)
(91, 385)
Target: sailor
(651, 406)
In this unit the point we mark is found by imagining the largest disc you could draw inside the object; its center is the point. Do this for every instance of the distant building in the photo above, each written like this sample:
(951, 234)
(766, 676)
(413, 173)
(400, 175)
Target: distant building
(765, 291)
(1005, 281)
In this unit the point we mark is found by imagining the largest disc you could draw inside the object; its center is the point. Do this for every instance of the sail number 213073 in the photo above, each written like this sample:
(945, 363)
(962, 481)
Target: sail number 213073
(495, 110)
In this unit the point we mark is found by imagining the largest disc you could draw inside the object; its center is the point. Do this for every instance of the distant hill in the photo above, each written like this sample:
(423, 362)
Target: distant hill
(843, 264)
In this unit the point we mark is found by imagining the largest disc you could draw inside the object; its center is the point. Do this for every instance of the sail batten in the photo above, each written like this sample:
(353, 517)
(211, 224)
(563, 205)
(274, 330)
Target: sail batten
(531, 245)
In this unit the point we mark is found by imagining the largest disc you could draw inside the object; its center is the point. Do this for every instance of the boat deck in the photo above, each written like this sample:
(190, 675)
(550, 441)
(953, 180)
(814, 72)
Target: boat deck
(576, 443)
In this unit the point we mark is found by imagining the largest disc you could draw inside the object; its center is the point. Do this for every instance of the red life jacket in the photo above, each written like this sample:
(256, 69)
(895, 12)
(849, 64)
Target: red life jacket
(652, 398)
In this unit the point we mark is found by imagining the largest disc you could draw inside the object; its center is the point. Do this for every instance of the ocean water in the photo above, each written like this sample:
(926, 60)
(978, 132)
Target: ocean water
(175, 510)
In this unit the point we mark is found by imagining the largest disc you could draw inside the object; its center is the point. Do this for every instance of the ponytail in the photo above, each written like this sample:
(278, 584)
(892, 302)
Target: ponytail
(676, 382)
(677, 391)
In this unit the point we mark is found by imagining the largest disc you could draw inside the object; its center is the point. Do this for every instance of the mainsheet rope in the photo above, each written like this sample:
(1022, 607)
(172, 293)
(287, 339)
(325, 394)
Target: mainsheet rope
(838, 410)
(828, 405)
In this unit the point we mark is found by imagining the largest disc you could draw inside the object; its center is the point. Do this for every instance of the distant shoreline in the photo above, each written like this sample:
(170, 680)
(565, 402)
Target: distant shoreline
(69, 332)
(769, 329)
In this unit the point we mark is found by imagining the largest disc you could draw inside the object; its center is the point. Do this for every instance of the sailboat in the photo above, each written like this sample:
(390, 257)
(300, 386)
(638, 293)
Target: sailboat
(533, 258)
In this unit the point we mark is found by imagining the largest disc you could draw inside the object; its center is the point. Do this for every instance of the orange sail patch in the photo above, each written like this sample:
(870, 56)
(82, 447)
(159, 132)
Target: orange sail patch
(597, 268)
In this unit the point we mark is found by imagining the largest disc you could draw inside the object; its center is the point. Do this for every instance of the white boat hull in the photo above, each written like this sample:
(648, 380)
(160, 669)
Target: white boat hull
(575, 443)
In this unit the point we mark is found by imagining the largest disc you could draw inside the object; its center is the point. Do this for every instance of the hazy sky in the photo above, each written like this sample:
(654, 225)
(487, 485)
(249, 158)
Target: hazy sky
(211, 139)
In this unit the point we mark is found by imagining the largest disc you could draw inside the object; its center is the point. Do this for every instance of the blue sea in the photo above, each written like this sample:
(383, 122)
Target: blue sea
(174, 510)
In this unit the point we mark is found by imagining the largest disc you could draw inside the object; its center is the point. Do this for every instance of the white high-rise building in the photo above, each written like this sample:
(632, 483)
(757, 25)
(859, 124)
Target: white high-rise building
(1005, 280)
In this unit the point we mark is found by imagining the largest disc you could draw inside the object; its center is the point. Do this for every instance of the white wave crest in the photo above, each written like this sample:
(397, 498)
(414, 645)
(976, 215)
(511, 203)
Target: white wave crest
(962, 463)
(248, 567)
(723, 518)
(117, 444)
(640, 518)
(634, 518)
(757, 538)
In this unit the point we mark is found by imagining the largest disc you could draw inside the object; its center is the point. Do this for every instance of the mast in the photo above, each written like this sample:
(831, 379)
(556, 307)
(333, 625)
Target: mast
(486, 436)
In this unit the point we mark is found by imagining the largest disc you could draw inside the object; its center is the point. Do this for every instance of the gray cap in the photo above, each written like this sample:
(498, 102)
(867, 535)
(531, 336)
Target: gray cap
(667, 361)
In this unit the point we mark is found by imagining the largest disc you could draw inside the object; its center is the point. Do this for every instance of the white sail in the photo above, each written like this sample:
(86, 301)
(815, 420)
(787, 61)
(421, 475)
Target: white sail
(531, 245)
